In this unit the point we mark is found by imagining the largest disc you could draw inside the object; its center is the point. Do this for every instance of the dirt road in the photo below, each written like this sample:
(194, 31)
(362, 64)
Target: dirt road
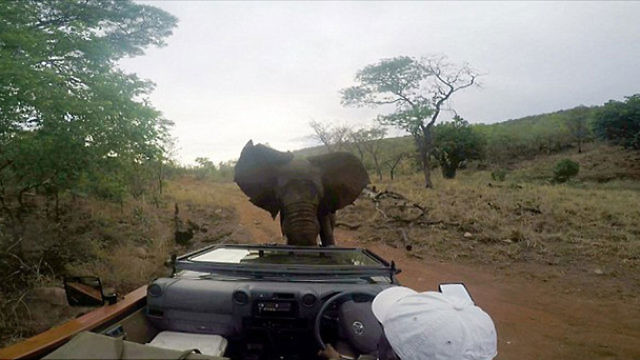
(536, 318)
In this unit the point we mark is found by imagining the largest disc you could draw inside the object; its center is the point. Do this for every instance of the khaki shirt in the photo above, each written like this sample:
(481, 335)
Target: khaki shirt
(367, 357)
(363, 357)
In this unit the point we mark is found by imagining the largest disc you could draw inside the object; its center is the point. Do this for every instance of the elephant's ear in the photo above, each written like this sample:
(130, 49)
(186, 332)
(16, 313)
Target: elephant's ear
(343, 178)
(256, 174)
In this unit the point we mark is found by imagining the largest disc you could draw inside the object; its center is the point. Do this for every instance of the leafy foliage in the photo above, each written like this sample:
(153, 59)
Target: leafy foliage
(514, 140)
(396, 81)
(66, 111)
(619, 122)
(565, 169)
(205, 169)
(454, 143)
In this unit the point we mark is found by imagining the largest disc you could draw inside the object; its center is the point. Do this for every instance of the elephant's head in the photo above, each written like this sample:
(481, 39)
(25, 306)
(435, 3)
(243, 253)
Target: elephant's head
(306, 192)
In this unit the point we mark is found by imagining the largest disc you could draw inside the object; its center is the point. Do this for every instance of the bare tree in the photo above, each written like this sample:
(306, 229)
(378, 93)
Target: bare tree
(369, 141)
(393, 161)
(334, 138)
(419, 90)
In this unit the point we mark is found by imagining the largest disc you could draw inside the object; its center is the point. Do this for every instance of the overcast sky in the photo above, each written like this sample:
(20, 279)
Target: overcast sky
(253, 70)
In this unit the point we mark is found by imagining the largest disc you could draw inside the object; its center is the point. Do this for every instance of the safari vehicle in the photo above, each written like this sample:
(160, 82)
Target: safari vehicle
(229, 302)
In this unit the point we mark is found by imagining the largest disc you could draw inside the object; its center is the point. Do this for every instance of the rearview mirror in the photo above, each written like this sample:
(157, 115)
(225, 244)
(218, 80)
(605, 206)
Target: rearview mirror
(457, 290)
(86, 291)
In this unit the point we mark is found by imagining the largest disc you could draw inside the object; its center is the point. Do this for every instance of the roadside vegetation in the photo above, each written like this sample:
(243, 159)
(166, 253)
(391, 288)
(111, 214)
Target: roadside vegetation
(579, 226)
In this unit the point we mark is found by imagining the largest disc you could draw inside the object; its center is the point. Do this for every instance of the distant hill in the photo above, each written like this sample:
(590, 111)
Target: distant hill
(508, 141)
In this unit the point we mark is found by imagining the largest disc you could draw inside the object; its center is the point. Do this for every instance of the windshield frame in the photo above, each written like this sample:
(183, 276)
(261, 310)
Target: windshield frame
(279, 271)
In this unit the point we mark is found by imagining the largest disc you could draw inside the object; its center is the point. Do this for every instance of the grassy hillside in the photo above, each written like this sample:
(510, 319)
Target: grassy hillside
(588, 225)
(582, 226)
(506, 143)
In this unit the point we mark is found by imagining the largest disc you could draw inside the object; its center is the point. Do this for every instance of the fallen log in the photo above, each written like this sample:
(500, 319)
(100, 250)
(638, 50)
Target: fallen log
(347, 225)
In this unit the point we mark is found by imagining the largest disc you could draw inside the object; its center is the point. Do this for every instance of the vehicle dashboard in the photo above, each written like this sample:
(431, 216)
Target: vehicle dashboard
(230, 307)
(264, 310)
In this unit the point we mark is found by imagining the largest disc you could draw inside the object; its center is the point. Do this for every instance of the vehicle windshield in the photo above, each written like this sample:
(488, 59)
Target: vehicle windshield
(285, 256)
(285, 263)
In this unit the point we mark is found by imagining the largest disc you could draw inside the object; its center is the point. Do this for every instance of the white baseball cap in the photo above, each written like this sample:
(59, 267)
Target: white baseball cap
(431, 325)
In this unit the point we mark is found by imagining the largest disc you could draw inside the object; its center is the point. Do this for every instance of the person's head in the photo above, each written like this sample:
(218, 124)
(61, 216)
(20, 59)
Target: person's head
(431, 325)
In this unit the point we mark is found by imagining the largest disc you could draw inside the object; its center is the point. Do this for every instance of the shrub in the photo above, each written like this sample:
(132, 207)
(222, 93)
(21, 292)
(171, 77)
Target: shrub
(499, 174)
(565, 169)
(455, 143)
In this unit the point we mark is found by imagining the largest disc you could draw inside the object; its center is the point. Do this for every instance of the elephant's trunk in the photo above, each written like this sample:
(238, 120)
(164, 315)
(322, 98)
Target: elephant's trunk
(300, 223)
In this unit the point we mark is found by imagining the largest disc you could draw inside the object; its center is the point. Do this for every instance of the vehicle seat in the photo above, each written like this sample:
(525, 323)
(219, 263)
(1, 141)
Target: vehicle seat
(88, 345)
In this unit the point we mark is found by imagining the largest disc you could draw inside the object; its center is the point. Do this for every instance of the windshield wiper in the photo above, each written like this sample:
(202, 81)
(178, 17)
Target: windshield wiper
(222, 277)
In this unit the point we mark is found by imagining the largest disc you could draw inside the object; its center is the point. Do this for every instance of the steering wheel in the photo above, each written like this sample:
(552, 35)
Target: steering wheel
(357, 322)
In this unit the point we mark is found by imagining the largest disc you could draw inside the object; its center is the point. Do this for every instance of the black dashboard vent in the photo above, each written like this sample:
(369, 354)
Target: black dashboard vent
(240, 297)
(309, 299)
(154, 290)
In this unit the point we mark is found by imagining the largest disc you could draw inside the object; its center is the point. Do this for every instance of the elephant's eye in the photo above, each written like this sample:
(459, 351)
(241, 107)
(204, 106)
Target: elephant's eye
(297, 190)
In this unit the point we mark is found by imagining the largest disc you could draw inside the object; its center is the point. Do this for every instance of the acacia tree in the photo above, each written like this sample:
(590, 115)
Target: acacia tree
(418, 88)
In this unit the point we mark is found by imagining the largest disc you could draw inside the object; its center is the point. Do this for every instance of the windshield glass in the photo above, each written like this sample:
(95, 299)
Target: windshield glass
(351, 257)
(316, 278)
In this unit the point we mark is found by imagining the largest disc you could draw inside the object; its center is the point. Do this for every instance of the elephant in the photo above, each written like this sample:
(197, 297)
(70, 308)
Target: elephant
(305, 192)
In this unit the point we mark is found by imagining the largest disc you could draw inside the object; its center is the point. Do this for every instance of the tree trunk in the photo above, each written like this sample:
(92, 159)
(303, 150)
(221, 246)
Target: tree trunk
(57, 198)
(424, 143)
(426, 169)
(160, 176)
(425, 155)
(448, 171)
(360, 152)
(378, 168)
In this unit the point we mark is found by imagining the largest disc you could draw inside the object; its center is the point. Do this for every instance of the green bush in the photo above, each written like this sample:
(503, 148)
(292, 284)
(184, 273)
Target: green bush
(565, 169)
(619, 122)
(499, 174)
(455, 143)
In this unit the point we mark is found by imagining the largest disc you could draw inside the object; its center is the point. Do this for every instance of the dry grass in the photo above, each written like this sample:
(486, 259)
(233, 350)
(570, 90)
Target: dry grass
(140, 235)
(200, 193)
(126, 245)
(599, 163)
(584, 226)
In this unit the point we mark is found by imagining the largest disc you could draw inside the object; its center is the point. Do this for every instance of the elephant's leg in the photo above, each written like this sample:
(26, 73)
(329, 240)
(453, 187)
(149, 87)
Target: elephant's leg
(327, 222)
(284, 237)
